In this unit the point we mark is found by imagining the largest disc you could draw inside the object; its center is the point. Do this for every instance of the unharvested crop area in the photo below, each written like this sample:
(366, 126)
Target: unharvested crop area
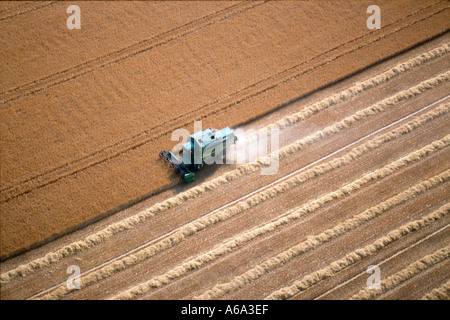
(363, 177)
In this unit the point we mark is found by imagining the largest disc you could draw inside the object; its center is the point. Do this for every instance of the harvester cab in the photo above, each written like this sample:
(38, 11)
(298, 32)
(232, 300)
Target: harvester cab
(203, 147)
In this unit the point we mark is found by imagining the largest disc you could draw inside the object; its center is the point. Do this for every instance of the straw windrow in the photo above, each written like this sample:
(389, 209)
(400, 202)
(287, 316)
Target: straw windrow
(292, 215)
(358, 255)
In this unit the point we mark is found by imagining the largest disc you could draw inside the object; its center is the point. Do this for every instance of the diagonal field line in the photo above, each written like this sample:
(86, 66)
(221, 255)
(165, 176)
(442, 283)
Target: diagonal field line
(440, 293)
(313, 242)
(198, 23)
(380, 263)
(141, 139)
(359, 254)
(127, 52)
(11, 192)
(405, 274)
(35, 7)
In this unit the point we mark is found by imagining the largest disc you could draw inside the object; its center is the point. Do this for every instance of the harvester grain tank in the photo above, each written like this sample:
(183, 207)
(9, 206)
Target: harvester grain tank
(203, 147)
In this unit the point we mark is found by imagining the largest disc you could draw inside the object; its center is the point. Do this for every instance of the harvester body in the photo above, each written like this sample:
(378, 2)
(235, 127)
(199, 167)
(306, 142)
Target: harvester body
(203, 147)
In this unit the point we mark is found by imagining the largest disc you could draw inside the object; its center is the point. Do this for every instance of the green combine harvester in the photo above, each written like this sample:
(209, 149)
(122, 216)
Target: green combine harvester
(203, 147)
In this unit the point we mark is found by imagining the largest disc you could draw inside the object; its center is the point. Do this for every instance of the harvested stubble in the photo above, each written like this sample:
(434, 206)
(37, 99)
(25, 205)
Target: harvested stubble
(407, 273)
(313, 242)
(358, 255)
(293, 215)
(440, 293)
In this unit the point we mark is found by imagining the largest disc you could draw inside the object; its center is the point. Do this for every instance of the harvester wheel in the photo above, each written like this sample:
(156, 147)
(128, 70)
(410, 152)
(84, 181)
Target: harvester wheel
(188, 177)
(198, 167)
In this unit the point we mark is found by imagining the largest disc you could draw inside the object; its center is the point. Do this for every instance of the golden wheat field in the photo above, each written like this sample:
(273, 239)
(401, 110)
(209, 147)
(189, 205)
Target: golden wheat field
(361, 131)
